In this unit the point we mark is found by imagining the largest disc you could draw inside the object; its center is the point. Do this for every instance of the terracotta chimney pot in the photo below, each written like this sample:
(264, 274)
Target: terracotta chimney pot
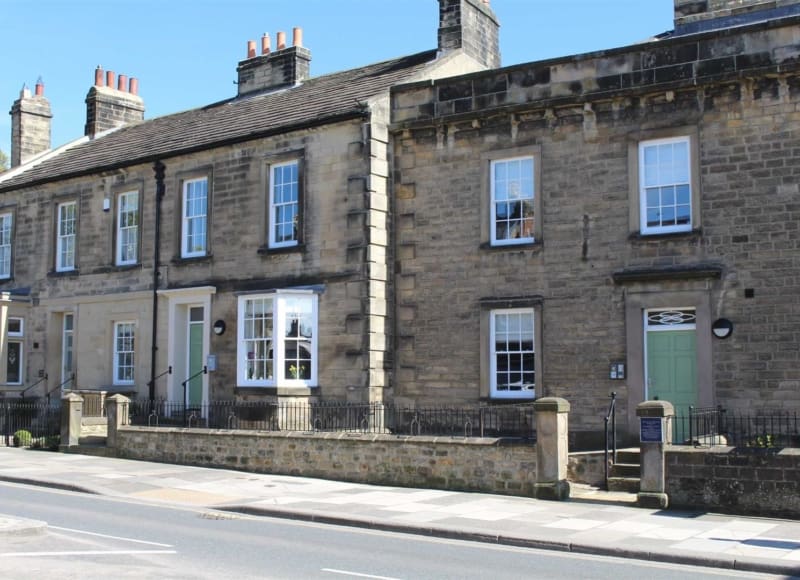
(265, 44)
(110, 79)
(251, 48)
(297, 36)
(122, 83)
(98, 76)
(133, 86)
(281, 40)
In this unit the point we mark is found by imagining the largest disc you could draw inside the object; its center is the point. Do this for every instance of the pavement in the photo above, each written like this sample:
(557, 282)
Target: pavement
(591, 522)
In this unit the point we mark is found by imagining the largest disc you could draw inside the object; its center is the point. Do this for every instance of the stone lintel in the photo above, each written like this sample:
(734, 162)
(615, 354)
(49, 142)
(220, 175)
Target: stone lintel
(713, 271)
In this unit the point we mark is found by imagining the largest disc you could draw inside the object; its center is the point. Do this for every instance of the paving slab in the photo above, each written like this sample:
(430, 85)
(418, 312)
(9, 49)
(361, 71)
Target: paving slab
(590, 523)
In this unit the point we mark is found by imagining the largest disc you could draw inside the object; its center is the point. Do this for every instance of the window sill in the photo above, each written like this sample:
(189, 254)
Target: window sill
(180, 261)
(277, 391)
(113, 389)
(535, 247)
(638, 237)
(267, 251)
(494, 400)
(65, 274)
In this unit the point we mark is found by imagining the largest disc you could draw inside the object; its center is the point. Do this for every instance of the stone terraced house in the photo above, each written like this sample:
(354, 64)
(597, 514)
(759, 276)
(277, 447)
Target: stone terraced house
(249, 236)
(626, 220)
(622, 221)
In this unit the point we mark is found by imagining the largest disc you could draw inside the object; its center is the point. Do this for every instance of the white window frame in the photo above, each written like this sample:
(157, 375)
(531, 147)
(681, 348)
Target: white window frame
(66, 236)
(6, 233)
(495, 192)
(279, 304)
(275, 207)
(684, 180)
(192, 215)
(496, 392)
(127, 234)
(118, 352)
(16, 337)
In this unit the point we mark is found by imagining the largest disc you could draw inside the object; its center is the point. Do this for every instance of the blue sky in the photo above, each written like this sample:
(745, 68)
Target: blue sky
(185, 52)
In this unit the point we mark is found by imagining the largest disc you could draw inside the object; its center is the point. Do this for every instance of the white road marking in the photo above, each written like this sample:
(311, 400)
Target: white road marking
(356, 574)
(110, 537)
(87, 553)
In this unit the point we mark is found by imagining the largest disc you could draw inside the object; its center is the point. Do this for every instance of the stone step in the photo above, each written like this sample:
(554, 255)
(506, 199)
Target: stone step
(95, 450)
(626, 470)
(630, 456)
(92, 440)
(584, 493)
(94, 430)
(626, 484)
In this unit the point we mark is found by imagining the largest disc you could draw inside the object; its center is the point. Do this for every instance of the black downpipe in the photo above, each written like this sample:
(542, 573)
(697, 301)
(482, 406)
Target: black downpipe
(159, 170)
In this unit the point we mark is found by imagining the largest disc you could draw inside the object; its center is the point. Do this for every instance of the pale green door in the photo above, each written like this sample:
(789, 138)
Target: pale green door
(195, 390)
(672, 367)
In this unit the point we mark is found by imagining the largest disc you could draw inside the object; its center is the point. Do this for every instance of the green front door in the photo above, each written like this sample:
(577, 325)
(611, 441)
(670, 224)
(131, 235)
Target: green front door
(195, 391)
(672, 367)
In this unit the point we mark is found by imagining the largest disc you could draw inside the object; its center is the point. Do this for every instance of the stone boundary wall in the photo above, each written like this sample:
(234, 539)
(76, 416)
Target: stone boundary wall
(742, 481)
(481, 464)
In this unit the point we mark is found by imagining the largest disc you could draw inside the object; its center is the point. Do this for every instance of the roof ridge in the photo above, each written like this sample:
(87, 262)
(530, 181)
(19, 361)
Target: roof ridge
(316, 101)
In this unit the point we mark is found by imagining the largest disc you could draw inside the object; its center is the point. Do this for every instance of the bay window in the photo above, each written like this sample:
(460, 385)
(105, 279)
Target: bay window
(277, 339)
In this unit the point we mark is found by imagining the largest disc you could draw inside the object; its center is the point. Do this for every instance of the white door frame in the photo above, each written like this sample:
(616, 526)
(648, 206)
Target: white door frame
(64, 347)
(178, 303)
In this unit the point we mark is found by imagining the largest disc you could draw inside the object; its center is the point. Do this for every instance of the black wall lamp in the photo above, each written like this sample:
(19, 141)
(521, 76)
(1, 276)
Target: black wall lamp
(722, 328)
(219, 327)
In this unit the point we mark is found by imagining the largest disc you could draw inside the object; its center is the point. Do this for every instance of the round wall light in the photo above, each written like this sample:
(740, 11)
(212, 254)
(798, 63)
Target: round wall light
(722, 328)
(219, 327)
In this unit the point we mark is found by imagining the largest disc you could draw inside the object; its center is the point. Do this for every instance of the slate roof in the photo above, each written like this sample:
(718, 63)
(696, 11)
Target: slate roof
(316, 101)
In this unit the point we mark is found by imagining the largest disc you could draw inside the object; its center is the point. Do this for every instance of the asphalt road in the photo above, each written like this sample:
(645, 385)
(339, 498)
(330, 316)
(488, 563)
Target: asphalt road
(93, 536)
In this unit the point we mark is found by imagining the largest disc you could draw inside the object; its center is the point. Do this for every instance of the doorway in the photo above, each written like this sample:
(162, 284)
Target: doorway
(195, 358)
(671, 357)
(67, 364)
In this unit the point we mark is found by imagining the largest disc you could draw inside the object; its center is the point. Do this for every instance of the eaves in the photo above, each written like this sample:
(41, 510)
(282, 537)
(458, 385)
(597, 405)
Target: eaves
(358, 113)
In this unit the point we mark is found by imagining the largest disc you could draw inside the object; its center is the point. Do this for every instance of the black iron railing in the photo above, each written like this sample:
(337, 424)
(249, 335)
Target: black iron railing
(610, 421)
(513, 421)
(29, 423)
(718, 426)
(42, 379)
(60, 387)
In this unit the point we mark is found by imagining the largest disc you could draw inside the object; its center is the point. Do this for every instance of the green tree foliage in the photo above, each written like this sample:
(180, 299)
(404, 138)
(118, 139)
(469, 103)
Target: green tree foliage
(3, 161)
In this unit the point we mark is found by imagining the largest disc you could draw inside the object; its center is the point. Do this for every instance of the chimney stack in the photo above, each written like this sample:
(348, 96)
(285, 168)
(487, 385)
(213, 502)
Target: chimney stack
(283, 67)
(31, 119)
(470, 25)
(108, 107)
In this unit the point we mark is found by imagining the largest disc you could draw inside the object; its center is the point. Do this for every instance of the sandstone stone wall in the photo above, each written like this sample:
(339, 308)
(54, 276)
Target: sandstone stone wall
(759, 482)
(587, 467)
(736, 94)
(484, 465)
(332, 256)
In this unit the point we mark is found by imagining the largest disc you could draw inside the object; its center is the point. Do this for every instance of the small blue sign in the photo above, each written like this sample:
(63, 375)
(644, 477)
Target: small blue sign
(651, 430)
